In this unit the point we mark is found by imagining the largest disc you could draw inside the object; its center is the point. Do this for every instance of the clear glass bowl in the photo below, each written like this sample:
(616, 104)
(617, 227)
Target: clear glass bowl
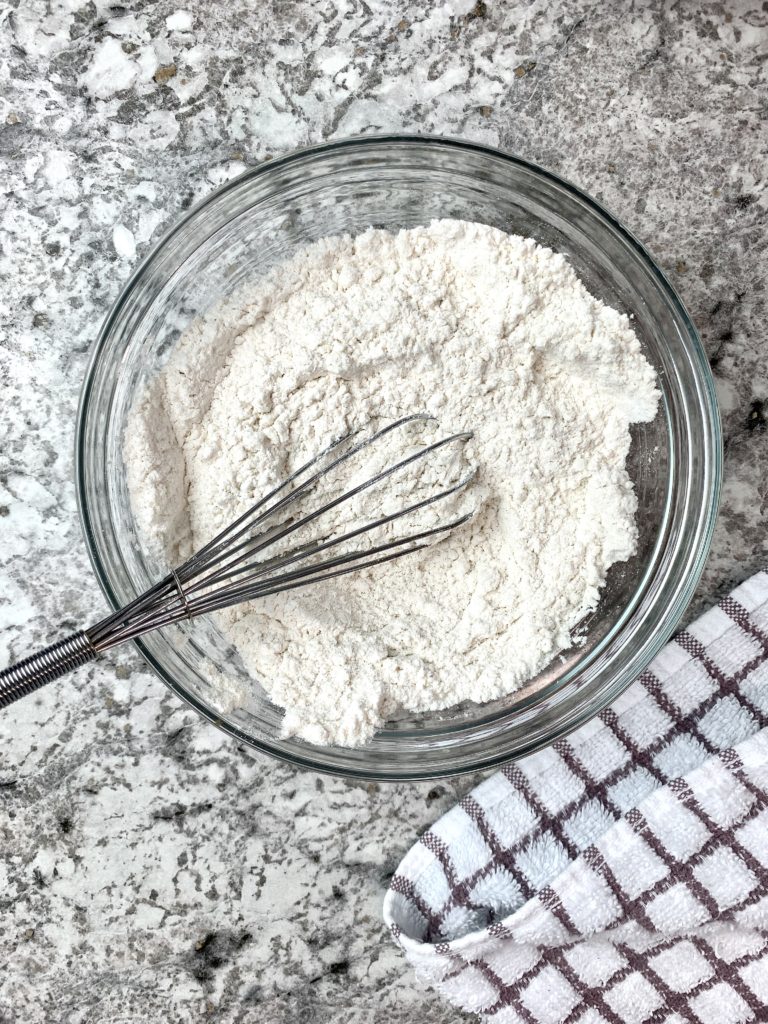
(395, 182)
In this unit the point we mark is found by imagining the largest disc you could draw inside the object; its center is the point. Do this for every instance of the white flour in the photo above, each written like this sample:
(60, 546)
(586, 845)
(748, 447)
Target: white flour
(483, 330)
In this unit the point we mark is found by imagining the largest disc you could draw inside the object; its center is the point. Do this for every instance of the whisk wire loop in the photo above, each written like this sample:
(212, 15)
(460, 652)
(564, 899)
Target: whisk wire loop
(259, 543)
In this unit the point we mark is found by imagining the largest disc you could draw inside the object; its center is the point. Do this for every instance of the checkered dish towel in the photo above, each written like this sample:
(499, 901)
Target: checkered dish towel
(620, 876)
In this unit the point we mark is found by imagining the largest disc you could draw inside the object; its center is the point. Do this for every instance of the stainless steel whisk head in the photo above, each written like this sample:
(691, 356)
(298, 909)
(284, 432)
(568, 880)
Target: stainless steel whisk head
(262, 553)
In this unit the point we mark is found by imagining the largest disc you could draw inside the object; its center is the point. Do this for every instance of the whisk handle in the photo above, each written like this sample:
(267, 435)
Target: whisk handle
(45, 666)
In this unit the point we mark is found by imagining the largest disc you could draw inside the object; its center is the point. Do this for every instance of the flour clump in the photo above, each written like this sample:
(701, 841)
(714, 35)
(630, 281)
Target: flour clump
(483, 330)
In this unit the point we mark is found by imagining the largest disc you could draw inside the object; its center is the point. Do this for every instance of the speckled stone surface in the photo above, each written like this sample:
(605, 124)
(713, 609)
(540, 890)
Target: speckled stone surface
(151, 869)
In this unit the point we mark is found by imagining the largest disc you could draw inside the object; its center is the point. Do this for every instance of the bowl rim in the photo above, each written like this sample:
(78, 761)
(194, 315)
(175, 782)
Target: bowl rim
(705, 527)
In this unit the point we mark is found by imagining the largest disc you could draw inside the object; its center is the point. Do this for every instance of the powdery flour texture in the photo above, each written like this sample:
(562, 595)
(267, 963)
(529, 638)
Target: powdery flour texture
(485, 331)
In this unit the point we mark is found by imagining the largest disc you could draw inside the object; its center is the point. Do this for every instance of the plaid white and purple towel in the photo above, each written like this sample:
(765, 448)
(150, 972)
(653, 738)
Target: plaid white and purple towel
(620, 876)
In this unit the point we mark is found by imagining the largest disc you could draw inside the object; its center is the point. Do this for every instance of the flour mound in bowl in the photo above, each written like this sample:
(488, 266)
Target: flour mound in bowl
(483, 330)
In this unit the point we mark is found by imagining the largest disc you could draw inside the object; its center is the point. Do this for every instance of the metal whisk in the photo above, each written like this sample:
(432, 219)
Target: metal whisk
(236, 565)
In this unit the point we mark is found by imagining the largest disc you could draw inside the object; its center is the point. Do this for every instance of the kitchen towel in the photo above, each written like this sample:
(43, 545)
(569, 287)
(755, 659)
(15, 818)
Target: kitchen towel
(621, 875)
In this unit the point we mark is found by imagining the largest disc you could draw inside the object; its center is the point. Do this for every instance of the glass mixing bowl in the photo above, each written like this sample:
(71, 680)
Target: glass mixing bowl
(398, 182)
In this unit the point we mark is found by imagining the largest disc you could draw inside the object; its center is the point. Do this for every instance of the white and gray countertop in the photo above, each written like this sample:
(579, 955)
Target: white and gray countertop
(151, 868)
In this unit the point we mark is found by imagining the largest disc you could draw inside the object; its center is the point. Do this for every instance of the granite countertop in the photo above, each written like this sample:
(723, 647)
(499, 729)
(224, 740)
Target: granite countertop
(151, 868)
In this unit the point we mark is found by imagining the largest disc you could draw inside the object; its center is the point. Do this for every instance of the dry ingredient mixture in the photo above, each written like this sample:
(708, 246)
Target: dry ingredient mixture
(485, 331)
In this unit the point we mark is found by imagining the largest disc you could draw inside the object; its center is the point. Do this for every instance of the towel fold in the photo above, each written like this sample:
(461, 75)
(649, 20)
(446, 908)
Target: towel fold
(621, 875)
